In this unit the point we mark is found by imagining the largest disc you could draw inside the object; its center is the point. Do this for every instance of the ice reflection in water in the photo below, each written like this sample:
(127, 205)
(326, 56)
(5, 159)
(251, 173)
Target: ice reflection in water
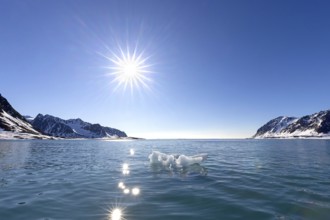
(191, 170)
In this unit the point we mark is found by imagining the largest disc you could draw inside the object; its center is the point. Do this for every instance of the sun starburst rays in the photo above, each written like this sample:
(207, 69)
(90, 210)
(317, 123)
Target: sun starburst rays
(129, 69)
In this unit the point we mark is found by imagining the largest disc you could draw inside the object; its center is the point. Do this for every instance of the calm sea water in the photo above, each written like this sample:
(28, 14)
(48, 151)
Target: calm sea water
(241, 179)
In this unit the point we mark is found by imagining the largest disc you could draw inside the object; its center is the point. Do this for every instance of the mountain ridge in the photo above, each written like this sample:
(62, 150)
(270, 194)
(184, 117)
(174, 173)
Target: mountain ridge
(13, 125)
(73, 128)
(314, 125)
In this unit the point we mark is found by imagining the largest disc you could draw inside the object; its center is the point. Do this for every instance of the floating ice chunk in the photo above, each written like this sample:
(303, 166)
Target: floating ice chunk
(184, 161)
(168, 160)
(157, 157)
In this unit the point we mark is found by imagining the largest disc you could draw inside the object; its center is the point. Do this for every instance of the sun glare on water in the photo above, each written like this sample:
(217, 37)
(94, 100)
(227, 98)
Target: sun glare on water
(130, 70)
(116, 214)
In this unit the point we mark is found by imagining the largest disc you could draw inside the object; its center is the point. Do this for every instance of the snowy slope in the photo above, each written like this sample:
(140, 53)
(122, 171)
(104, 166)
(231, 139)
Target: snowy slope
(10, 135)
(14, 126)
(315, 125)
(11, 123)
(73, 128)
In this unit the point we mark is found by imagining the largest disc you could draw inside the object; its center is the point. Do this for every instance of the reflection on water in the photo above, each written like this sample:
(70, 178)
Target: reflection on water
(191, 170)
(135, 191)
(194, 169)
(125, 169)
(126, 191)
(121, 185)
(14, 155)
(245, 179)
(116, 214)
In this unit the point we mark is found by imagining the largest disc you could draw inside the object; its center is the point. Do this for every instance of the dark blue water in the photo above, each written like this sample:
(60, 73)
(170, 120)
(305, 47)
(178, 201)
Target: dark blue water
(241, 179)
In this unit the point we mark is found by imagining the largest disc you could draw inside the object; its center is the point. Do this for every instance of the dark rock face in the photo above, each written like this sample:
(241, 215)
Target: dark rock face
(11, 120)
(53, 126)
(325, 125)
(5, 106)
(73, 128)
(317, 125)
(318, 122)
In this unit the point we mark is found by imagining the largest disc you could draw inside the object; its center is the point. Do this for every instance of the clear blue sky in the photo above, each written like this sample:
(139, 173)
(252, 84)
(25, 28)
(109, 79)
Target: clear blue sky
(219, 68)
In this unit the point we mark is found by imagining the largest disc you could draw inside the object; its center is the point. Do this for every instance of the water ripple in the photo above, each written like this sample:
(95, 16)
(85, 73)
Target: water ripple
(241, 179)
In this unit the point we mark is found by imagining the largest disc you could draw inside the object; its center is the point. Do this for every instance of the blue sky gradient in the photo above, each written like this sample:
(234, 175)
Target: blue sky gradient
(220, 69)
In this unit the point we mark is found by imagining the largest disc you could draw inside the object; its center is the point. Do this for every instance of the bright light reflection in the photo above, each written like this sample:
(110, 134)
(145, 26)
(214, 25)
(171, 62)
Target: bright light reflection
(125, 172)
(126, 191)
(135, 191)
(125, 169)
(121, 185)
(132, 152)
(116, 214)
(130, 69)
(125, 166)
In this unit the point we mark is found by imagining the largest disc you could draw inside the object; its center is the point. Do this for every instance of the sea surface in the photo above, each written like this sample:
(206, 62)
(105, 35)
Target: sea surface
(241, 179)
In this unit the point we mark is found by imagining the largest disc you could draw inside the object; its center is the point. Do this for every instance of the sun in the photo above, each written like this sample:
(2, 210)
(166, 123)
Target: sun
(130, 69)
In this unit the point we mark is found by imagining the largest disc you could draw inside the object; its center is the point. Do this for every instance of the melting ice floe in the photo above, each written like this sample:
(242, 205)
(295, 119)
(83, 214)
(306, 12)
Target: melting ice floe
(171, 160)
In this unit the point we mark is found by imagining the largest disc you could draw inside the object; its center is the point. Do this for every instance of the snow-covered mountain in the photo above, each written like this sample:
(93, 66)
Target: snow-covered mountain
(73, 128)
(14, 126)
(315, 125)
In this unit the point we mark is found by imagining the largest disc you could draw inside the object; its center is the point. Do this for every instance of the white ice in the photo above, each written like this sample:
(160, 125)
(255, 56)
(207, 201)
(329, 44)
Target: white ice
(184, 161)
(170, 160)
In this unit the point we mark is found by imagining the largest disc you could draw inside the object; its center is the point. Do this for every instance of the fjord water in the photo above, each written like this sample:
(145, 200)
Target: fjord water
(241, 179)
